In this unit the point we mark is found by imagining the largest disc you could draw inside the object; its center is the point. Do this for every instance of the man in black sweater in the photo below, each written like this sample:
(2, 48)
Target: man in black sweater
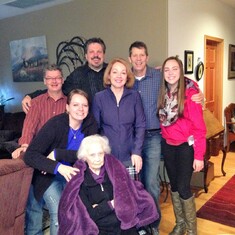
(88, 77)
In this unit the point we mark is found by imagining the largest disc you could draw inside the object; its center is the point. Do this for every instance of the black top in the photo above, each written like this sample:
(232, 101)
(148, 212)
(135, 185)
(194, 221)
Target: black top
(53, 135)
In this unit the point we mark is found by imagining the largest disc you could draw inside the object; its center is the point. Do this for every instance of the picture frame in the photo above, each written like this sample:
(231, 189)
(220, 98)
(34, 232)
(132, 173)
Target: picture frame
(29, 56)
(231, 62)
(188, 62)
(199, 70)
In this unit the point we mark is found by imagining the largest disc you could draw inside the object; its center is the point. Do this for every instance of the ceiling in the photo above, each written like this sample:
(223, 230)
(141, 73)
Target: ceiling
(10, 8)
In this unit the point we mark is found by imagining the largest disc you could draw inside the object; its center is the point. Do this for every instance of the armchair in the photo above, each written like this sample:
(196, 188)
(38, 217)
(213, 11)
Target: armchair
(229, 113)
(11, 125)
(15, 180)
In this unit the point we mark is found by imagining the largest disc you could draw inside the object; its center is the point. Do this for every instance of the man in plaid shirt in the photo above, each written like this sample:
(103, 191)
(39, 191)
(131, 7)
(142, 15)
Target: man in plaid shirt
(148, 84)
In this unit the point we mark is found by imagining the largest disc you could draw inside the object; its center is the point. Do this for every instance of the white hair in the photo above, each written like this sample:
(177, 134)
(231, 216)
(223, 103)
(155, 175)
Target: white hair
(88, 141)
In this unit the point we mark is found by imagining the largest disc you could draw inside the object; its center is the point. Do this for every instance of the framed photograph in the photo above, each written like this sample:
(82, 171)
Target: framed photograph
(231, 61)
(28, 58)
(188, 62)
(199, 70)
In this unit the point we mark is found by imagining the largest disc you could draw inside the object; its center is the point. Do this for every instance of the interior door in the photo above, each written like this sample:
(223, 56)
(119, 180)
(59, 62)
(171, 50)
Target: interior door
(213, 80)
(210, 78)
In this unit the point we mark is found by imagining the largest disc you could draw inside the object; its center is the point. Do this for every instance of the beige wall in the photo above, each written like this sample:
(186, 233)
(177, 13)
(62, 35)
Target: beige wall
(189, 21)
(119, 23)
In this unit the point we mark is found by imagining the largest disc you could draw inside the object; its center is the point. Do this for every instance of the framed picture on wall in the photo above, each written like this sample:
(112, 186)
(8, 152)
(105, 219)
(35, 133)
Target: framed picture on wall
(28, 58)
(231, 61)
(188, 62)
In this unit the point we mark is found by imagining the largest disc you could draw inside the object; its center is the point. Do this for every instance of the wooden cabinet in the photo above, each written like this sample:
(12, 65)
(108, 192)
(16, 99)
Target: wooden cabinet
(214, 143)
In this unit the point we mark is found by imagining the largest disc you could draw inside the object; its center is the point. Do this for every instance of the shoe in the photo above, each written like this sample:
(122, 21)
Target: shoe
(180, 225)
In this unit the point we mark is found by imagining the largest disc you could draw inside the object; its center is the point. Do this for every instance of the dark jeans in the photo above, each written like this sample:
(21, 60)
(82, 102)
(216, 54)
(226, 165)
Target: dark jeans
(179, 165)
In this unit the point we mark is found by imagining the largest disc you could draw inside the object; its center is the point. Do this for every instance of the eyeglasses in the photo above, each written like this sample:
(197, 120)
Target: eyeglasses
(56, 78)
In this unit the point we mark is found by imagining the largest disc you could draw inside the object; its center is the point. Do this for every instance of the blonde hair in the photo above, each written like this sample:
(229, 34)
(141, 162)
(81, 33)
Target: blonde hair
(130, 75)
(88, 141)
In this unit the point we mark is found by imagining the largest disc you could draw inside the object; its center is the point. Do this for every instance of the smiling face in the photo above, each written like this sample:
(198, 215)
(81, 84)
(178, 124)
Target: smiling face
(139, 60)
(78, 109)
(118, 75)
(53, 80)
(171, 72)
(95, 56)
(95, 157)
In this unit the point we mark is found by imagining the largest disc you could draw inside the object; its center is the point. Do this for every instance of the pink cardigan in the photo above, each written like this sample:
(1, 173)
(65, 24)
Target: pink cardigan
(191, 124)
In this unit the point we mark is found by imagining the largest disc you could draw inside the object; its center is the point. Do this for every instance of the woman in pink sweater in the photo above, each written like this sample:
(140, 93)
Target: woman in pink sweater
(184, 140)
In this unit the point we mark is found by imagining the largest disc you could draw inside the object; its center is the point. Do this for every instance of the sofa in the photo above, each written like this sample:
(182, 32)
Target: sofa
(15, 180)
(11, 125)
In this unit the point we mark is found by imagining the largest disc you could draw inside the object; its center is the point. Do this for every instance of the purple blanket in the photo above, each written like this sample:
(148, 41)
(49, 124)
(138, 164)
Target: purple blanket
(133, 204)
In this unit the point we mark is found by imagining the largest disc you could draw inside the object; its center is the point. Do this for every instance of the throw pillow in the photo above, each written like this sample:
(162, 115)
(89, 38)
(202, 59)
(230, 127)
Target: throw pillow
(233, 125)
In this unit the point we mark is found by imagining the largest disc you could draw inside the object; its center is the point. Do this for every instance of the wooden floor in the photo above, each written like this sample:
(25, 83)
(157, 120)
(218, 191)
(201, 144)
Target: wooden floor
(205, 227)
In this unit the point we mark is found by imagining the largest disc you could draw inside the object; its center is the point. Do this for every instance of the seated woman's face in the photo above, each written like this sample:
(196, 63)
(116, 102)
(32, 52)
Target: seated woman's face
(95, 157)
(78, 107)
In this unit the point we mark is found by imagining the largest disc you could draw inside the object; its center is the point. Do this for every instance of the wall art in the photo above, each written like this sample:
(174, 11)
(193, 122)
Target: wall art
(28, 59)
(231, 61)
(188, 62)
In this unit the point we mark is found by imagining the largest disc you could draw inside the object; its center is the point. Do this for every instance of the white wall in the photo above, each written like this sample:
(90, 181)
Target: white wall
(189, 21)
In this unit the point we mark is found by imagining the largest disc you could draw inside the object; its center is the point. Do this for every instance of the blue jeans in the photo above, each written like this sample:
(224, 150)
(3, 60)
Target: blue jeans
(34, 212)
(52, 199)
(151, 154)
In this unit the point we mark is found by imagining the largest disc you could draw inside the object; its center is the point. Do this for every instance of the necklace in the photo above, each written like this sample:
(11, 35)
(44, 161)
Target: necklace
(74, 133)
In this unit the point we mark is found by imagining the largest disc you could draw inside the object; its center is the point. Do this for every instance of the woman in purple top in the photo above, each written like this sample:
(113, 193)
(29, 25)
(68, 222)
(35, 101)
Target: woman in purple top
(120, 115)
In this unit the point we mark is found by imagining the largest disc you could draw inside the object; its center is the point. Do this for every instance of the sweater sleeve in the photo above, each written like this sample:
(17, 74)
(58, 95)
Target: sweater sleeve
(139, 126)
(97, 110)
(69, 156)
(30, 124)
(36, 154)
(198, 127)
(100, 211)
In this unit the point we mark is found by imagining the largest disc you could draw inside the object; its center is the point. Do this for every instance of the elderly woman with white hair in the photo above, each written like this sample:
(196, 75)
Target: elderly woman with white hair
(102, 199)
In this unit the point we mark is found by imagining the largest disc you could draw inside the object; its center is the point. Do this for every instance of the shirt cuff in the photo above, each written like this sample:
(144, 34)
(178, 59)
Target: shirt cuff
(110, 204)
(56, 168)
(54, 151)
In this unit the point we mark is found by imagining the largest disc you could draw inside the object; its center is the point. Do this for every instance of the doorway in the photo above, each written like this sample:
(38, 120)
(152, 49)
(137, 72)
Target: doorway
(213, 78)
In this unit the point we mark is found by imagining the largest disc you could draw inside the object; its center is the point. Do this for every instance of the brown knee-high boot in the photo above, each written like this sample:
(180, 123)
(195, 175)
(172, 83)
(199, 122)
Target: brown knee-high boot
(189, 209)
(180, 227)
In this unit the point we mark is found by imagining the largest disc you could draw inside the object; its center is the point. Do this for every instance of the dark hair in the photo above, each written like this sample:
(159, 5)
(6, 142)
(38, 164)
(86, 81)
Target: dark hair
(95, 40)
(181, 87)
(77, 92)
(139, 45)
(130, 77)
(51, 67)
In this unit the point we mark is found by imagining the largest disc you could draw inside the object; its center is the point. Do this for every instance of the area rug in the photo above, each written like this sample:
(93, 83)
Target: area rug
(221, 206)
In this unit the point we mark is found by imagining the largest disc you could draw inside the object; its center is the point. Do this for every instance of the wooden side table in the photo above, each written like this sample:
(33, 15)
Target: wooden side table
(214, 142)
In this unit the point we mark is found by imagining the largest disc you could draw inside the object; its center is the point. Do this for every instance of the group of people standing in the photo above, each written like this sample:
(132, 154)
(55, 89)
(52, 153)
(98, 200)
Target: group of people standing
(138, 109)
